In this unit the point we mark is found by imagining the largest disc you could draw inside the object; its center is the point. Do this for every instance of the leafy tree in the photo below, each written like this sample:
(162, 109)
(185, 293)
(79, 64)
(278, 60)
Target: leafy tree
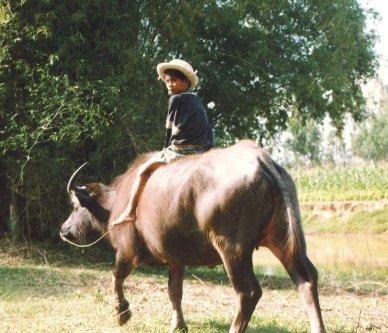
(334, 151)
(261, 59)
(372, 141)
(78, 81)
(72, 89)
(305, 142)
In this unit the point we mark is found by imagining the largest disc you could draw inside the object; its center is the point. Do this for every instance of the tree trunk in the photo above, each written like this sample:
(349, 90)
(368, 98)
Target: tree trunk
(4, 201)
(16, 210)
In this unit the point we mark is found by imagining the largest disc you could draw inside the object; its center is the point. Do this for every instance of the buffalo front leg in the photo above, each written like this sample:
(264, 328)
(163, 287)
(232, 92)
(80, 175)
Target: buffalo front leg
(121, 271)
(175, 283)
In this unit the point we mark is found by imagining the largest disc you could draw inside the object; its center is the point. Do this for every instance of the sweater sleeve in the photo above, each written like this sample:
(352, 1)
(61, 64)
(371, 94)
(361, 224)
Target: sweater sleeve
(183, 111)
(173, 104)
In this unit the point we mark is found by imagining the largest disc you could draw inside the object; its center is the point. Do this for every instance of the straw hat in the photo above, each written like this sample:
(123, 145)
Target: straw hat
(181, 66)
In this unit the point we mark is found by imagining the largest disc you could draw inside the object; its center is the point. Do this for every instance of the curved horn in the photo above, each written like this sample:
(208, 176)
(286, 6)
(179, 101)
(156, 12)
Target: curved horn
(73, 178)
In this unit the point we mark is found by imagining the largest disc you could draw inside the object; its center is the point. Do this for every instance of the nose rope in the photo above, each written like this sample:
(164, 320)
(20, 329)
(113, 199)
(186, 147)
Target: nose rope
(87, 245)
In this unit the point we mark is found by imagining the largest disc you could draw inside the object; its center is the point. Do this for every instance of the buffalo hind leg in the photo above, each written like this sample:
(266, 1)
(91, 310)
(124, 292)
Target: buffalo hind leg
(305, 276)
(121, 270)
(240, 271)
(175, 283)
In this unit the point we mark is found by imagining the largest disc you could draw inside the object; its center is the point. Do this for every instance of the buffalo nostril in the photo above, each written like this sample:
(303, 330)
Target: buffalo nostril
(66, 235)
(65, 231)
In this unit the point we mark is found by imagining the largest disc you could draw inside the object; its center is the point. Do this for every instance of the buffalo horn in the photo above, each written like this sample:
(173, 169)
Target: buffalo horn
(73, 178)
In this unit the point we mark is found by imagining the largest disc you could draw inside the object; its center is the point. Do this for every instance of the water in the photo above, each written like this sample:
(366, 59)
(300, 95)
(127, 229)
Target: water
(341, 254)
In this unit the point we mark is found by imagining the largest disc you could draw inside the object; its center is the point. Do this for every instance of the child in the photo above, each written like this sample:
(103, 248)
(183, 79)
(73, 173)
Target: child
(187, 128)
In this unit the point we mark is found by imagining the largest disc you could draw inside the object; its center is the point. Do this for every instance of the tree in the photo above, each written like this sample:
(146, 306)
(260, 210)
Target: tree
(70, 91)
(305, 141)
(372, 141)
(78, 81)
(260, 59)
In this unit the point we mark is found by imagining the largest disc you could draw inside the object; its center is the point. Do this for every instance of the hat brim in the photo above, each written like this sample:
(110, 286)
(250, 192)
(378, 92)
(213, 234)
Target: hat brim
(192, 77)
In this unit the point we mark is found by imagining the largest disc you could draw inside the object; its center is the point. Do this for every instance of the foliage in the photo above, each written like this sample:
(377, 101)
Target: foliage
(78, 81)
(72, 90)
(259, 60)
(305, 141)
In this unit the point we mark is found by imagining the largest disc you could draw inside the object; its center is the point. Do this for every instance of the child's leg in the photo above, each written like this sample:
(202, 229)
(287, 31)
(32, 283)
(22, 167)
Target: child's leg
(139, 185)
(144, 172)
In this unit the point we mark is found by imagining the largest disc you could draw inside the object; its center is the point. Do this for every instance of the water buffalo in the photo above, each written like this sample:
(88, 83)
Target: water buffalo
(208, 209)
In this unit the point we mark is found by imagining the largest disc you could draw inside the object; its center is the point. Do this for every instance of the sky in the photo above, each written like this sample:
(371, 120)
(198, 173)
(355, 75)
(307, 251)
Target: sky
(381, 27)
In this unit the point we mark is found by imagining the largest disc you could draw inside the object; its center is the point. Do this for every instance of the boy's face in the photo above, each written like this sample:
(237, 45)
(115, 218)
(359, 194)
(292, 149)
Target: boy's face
(175, 85)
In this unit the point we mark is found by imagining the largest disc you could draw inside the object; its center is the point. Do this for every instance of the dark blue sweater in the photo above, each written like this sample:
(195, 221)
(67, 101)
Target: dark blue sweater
(187, 122)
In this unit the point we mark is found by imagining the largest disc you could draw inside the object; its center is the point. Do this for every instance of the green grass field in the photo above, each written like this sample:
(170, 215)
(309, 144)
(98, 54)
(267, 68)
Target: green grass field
(46, 288)
(366, 182)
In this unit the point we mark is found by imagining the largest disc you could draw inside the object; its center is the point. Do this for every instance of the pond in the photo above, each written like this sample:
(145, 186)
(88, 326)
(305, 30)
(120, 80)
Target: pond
(334, 253)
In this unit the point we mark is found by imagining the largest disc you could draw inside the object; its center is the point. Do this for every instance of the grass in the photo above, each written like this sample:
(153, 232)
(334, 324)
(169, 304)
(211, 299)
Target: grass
(46, 288)
(326, 183)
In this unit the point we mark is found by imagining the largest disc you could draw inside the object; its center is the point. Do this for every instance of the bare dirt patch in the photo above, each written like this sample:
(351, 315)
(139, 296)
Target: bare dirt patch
(345, 206)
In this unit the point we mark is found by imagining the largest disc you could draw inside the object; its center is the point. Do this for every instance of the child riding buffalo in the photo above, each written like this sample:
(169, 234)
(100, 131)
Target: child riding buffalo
(188, 130)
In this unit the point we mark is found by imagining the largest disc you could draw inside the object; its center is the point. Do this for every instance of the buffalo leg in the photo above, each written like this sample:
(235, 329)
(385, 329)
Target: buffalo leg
(121, 271)
(175, 282)
(246, 287)
(305, 276)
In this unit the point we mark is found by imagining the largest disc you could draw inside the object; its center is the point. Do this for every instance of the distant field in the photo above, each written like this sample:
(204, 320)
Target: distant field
(326, 183)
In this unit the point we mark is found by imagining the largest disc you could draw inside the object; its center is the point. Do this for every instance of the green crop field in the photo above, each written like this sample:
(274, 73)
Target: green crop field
(367, 182)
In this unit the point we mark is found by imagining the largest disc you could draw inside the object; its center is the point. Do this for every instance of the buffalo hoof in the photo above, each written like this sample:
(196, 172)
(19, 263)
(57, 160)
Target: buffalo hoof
(123, 312)
(178, 323)
(180, 329)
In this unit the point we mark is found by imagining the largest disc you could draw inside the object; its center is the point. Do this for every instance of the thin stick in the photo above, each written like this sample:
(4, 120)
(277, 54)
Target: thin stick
(196, 277)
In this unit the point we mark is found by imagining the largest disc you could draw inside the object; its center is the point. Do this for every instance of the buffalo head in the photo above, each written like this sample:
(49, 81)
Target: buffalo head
(89, 214)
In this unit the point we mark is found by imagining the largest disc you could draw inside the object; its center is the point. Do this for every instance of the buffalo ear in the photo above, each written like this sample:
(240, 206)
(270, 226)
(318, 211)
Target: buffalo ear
(84, 197)
(91, 204)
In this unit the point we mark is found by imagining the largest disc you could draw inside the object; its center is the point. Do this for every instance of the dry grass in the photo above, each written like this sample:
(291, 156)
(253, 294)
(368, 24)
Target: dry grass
(46, 289)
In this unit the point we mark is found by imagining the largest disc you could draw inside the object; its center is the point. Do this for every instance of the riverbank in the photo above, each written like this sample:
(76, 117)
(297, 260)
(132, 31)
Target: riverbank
(340, 217)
